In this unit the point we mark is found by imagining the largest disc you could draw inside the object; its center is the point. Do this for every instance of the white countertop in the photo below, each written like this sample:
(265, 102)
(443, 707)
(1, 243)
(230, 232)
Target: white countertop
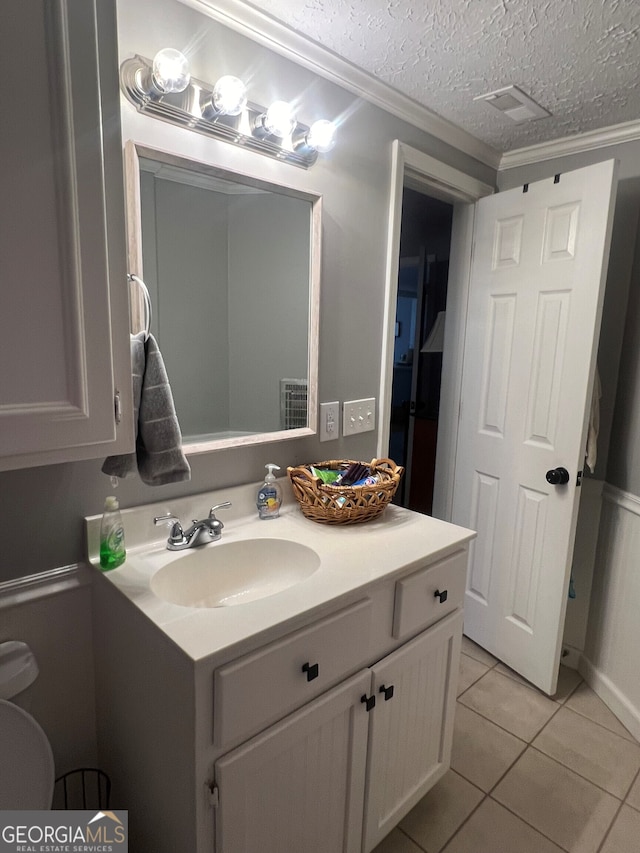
(352, 556)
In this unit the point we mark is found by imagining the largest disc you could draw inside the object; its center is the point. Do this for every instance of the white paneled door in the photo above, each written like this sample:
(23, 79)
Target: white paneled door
(535, 303)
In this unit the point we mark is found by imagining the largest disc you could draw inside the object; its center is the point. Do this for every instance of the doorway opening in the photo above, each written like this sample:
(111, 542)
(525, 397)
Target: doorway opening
(423, 270)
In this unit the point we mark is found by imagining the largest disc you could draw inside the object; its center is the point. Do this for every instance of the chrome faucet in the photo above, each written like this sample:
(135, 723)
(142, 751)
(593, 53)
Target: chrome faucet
(200, 532)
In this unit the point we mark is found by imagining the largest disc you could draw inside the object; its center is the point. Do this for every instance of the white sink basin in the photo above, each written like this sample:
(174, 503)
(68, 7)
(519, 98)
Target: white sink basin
(225, 574)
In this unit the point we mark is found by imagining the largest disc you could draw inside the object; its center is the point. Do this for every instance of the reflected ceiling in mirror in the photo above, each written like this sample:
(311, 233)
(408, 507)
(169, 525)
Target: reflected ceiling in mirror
(232, 267)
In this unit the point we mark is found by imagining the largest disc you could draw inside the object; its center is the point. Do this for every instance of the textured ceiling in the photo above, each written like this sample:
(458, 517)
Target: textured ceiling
(579, 59)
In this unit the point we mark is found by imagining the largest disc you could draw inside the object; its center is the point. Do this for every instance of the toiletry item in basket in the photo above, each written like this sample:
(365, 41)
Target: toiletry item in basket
(367, 481)
(269, 495)
(350, 476)
(325, 475)
(112, 550)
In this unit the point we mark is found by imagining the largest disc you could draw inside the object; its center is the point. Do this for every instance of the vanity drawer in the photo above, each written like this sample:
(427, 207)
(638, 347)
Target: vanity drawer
(429, 594)
(260, 688)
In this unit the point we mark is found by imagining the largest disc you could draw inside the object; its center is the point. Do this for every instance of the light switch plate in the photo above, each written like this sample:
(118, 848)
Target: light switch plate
(329, 421)
(358, 416)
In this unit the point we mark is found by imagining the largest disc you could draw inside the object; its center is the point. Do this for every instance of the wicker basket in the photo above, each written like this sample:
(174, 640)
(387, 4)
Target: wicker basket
(331, 504)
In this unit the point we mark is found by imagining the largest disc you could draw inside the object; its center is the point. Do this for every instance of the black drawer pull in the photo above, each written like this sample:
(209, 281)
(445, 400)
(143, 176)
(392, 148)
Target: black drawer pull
(388, 692)
(441, 595)
(369, 701)
(312, 670)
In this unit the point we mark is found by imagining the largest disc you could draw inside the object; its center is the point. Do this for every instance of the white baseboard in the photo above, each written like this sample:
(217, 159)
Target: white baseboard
(615, 700)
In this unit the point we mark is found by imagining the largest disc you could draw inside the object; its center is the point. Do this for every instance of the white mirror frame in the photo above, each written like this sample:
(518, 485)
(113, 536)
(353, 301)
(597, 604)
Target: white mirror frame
(132, 154)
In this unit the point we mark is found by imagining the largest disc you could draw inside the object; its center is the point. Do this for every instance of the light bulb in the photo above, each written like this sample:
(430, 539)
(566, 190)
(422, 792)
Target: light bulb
(280, 119)
(171, 71)
(322, 136)
(229, 96)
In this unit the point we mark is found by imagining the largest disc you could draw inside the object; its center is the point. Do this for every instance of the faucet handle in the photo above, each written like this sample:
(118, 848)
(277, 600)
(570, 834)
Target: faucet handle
(212, 511)
(176, 528)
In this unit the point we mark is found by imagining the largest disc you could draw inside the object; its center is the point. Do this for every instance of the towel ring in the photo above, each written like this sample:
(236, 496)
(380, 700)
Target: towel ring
(147, 303)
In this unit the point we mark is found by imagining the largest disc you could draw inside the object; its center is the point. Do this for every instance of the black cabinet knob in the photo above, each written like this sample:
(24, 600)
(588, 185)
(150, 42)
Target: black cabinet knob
(312, 670)
(369, 701)
(441, 595)
(388, 691)
(557, 476)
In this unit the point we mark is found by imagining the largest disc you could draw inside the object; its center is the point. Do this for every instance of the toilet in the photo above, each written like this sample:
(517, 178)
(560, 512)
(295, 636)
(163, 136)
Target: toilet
(27, 771)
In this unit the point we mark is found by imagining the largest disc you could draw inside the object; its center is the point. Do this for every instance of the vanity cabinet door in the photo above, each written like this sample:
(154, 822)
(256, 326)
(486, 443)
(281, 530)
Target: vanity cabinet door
(411, 726)
(299, 785)
(64, 334)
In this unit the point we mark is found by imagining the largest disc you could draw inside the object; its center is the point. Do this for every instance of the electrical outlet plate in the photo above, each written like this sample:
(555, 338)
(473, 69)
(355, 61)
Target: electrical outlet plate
(358, 416)
(329, 421)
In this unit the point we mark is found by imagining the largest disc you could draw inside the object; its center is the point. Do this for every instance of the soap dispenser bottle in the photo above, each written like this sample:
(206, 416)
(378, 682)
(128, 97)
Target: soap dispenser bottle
(269, 495)
(112, 550)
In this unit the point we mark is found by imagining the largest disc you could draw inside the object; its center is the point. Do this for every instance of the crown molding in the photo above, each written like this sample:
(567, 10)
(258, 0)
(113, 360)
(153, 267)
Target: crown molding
(267, 31)
(616, 134)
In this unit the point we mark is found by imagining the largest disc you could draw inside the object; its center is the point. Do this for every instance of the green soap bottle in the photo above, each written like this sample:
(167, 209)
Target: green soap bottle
(112, 550)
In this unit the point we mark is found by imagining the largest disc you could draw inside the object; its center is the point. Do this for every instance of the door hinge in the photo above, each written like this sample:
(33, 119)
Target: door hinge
(117, 407)
(213, 793)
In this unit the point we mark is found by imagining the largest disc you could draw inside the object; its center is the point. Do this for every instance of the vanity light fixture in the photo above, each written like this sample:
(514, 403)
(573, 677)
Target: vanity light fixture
(321, 136)
(165, 90)
(229, 96)
(170, 71)
(279, 120)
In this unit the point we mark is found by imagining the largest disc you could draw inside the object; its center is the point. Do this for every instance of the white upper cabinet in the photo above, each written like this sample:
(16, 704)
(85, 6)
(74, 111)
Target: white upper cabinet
(64, 328)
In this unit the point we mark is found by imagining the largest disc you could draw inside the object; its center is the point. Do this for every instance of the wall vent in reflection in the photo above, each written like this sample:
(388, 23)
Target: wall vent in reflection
(293, 403)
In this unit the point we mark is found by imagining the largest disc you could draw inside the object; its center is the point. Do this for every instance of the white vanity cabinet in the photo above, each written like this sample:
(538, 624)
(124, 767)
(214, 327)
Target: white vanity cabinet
(299, 786)
(411, 727)
(338, 774)
(310, 721)
(64, 332)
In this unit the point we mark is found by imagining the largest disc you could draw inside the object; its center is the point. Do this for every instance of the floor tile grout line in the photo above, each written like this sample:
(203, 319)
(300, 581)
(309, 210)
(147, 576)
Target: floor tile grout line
(475, 681)
(452, 836)
(528, 742)
(498, 726)
(412, 840)
(634, 742)
(617, 814)
(464, 822)
(529, 745)
(526, 822)
(575, 772)
(609, 828)
(626, 796)
(559, 706)
(602, 726)
(522, 681)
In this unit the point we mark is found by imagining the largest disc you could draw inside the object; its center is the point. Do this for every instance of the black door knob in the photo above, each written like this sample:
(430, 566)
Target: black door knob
(558, 476)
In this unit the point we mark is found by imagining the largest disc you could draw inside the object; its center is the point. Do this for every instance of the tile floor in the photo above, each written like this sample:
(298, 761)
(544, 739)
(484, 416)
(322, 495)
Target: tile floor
(528, 774)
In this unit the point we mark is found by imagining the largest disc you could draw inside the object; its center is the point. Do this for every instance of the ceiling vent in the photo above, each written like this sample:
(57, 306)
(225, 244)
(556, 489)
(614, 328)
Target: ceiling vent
(514, 104)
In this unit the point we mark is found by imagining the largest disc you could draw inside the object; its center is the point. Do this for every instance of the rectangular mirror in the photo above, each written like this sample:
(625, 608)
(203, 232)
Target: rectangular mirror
(232, 268)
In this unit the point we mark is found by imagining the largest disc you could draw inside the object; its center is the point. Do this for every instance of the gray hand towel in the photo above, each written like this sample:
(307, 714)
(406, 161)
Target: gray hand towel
(158, 458)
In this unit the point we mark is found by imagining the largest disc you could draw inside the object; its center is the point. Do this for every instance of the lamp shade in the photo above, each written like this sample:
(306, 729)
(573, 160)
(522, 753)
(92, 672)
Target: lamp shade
(435, 338)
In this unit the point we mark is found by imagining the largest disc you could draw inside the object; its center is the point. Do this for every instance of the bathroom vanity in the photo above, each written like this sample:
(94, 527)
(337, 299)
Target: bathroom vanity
(307, 719)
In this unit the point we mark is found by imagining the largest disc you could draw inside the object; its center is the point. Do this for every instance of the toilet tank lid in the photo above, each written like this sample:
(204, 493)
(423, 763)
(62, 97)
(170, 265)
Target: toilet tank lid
(18, 668)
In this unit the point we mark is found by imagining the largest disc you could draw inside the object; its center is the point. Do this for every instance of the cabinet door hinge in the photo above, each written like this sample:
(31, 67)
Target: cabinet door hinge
(214, 794)
(117, 407)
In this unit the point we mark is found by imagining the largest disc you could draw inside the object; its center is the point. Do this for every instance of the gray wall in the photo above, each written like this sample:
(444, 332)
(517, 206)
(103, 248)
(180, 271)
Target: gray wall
(43, 507)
